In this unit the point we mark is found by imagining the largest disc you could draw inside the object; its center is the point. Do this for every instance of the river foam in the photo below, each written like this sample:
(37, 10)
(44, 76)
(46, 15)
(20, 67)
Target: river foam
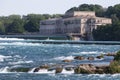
(19, 44)
(11, 39)
(64, 57)
(20, 62)
(4, 69)
(90, 52)
(2, 57)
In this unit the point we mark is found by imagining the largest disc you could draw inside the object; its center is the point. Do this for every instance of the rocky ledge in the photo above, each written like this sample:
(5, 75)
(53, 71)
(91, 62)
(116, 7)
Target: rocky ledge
(114, 66)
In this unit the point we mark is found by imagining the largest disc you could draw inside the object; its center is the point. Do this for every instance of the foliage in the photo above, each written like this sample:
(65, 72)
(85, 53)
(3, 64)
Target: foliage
(110, 32)
(113, 10)
(86, 7)
(32, 25)
(117, 57)
(15, 27)
(115, 65)
(107, 33)
(16, 24)
(2, 28)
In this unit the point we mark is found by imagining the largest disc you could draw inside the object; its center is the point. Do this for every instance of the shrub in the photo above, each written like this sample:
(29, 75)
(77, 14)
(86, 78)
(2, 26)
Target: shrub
(117, 57)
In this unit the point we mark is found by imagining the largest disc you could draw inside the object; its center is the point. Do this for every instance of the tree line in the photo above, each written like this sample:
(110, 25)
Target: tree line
(16, 24)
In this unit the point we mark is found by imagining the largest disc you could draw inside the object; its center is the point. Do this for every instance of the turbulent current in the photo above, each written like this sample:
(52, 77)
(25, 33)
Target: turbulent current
(17, 53)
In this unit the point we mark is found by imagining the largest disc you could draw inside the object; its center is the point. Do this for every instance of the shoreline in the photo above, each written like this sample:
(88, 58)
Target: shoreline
(78, 42)
(58, 39)
(36, 36)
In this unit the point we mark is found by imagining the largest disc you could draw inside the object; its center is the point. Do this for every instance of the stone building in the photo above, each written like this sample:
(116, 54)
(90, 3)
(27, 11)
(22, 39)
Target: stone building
(77, 23)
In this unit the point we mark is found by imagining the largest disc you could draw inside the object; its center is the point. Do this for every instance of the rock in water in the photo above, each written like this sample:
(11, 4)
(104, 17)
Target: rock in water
(85, 69)
(100, 57)
(59, 70)
(20, 69)
(41, 67)
(44, 66)
(110, 54)
(79, 58)
(66, 60)
(36, 69)
(90, 58)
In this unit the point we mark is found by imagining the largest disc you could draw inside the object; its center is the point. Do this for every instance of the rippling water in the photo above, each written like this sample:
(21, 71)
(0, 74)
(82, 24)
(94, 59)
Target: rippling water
(28, 53)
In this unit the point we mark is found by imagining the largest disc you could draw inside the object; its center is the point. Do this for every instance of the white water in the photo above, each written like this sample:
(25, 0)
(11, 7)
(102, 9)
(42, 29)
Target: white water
(64, 57)
(3, 57)
(2, 47)
(20, 44)
(67, 72)
(45, 71)
(4, 70)
(20, 62)
(92, 52)
(32, 70)
(11, 39)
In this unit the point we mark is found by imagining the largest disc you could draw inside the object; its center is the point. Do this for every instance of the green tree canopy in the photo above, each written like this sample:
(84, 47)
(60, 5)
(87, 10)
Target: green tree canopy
(15, 27)
(115, 10)
(2, 28)
(86, 7)
(107, 33)
(32, 25)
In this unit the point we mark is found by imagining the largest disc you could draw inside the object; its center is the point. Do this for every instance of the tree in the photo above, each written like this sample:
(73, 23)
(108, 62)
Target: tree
(100, 11)
(32, 26)
(32, 22)
(114, 18)
(113, 10)
(13, 17)
(2, 28)
(15, 27)
(107, 33)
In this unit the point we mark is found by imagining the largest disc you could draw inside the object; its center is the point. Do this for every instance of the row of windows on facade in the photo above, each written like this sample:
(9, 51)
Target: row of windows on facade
(66, 22)
(65, 30)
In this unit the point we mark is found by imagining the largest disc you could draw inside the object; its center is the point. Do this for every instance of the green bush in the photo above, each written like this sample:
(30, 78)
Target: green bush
(115, 67)
(117, 57)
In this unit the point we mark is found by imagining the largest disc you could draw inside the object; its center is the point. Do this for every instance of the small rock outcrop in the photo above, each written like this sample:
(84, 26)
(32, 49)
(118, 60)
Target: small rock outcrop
(79, 58)
(66, 60)
(90, 58)
(58, 70)
(110, 54)
(85, 69)
(41, 67)
(36, 69)
(44, 66)
(100, 57)
(20, 69)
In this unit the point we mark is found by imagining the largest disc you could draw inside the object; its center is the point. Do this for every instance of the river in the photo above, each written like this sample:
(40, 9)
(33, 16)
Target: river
(31, 53)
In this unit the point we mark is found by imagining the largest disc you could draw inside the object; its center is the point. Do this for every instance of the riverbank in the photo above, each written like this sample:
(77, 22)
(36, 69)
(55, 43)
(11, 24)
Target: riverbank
(78, 42)
(36, 36)
(58, 39)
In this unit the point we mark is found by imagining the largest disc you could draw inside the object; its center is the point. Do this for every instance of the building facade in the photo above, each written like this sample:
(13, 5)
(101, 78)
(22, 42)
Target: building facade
(81, 22)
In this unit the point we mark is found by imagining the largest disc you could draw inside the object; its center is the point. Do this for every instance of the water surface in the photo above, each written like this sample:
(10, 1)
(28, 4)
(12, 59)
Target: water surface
(30, 53)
